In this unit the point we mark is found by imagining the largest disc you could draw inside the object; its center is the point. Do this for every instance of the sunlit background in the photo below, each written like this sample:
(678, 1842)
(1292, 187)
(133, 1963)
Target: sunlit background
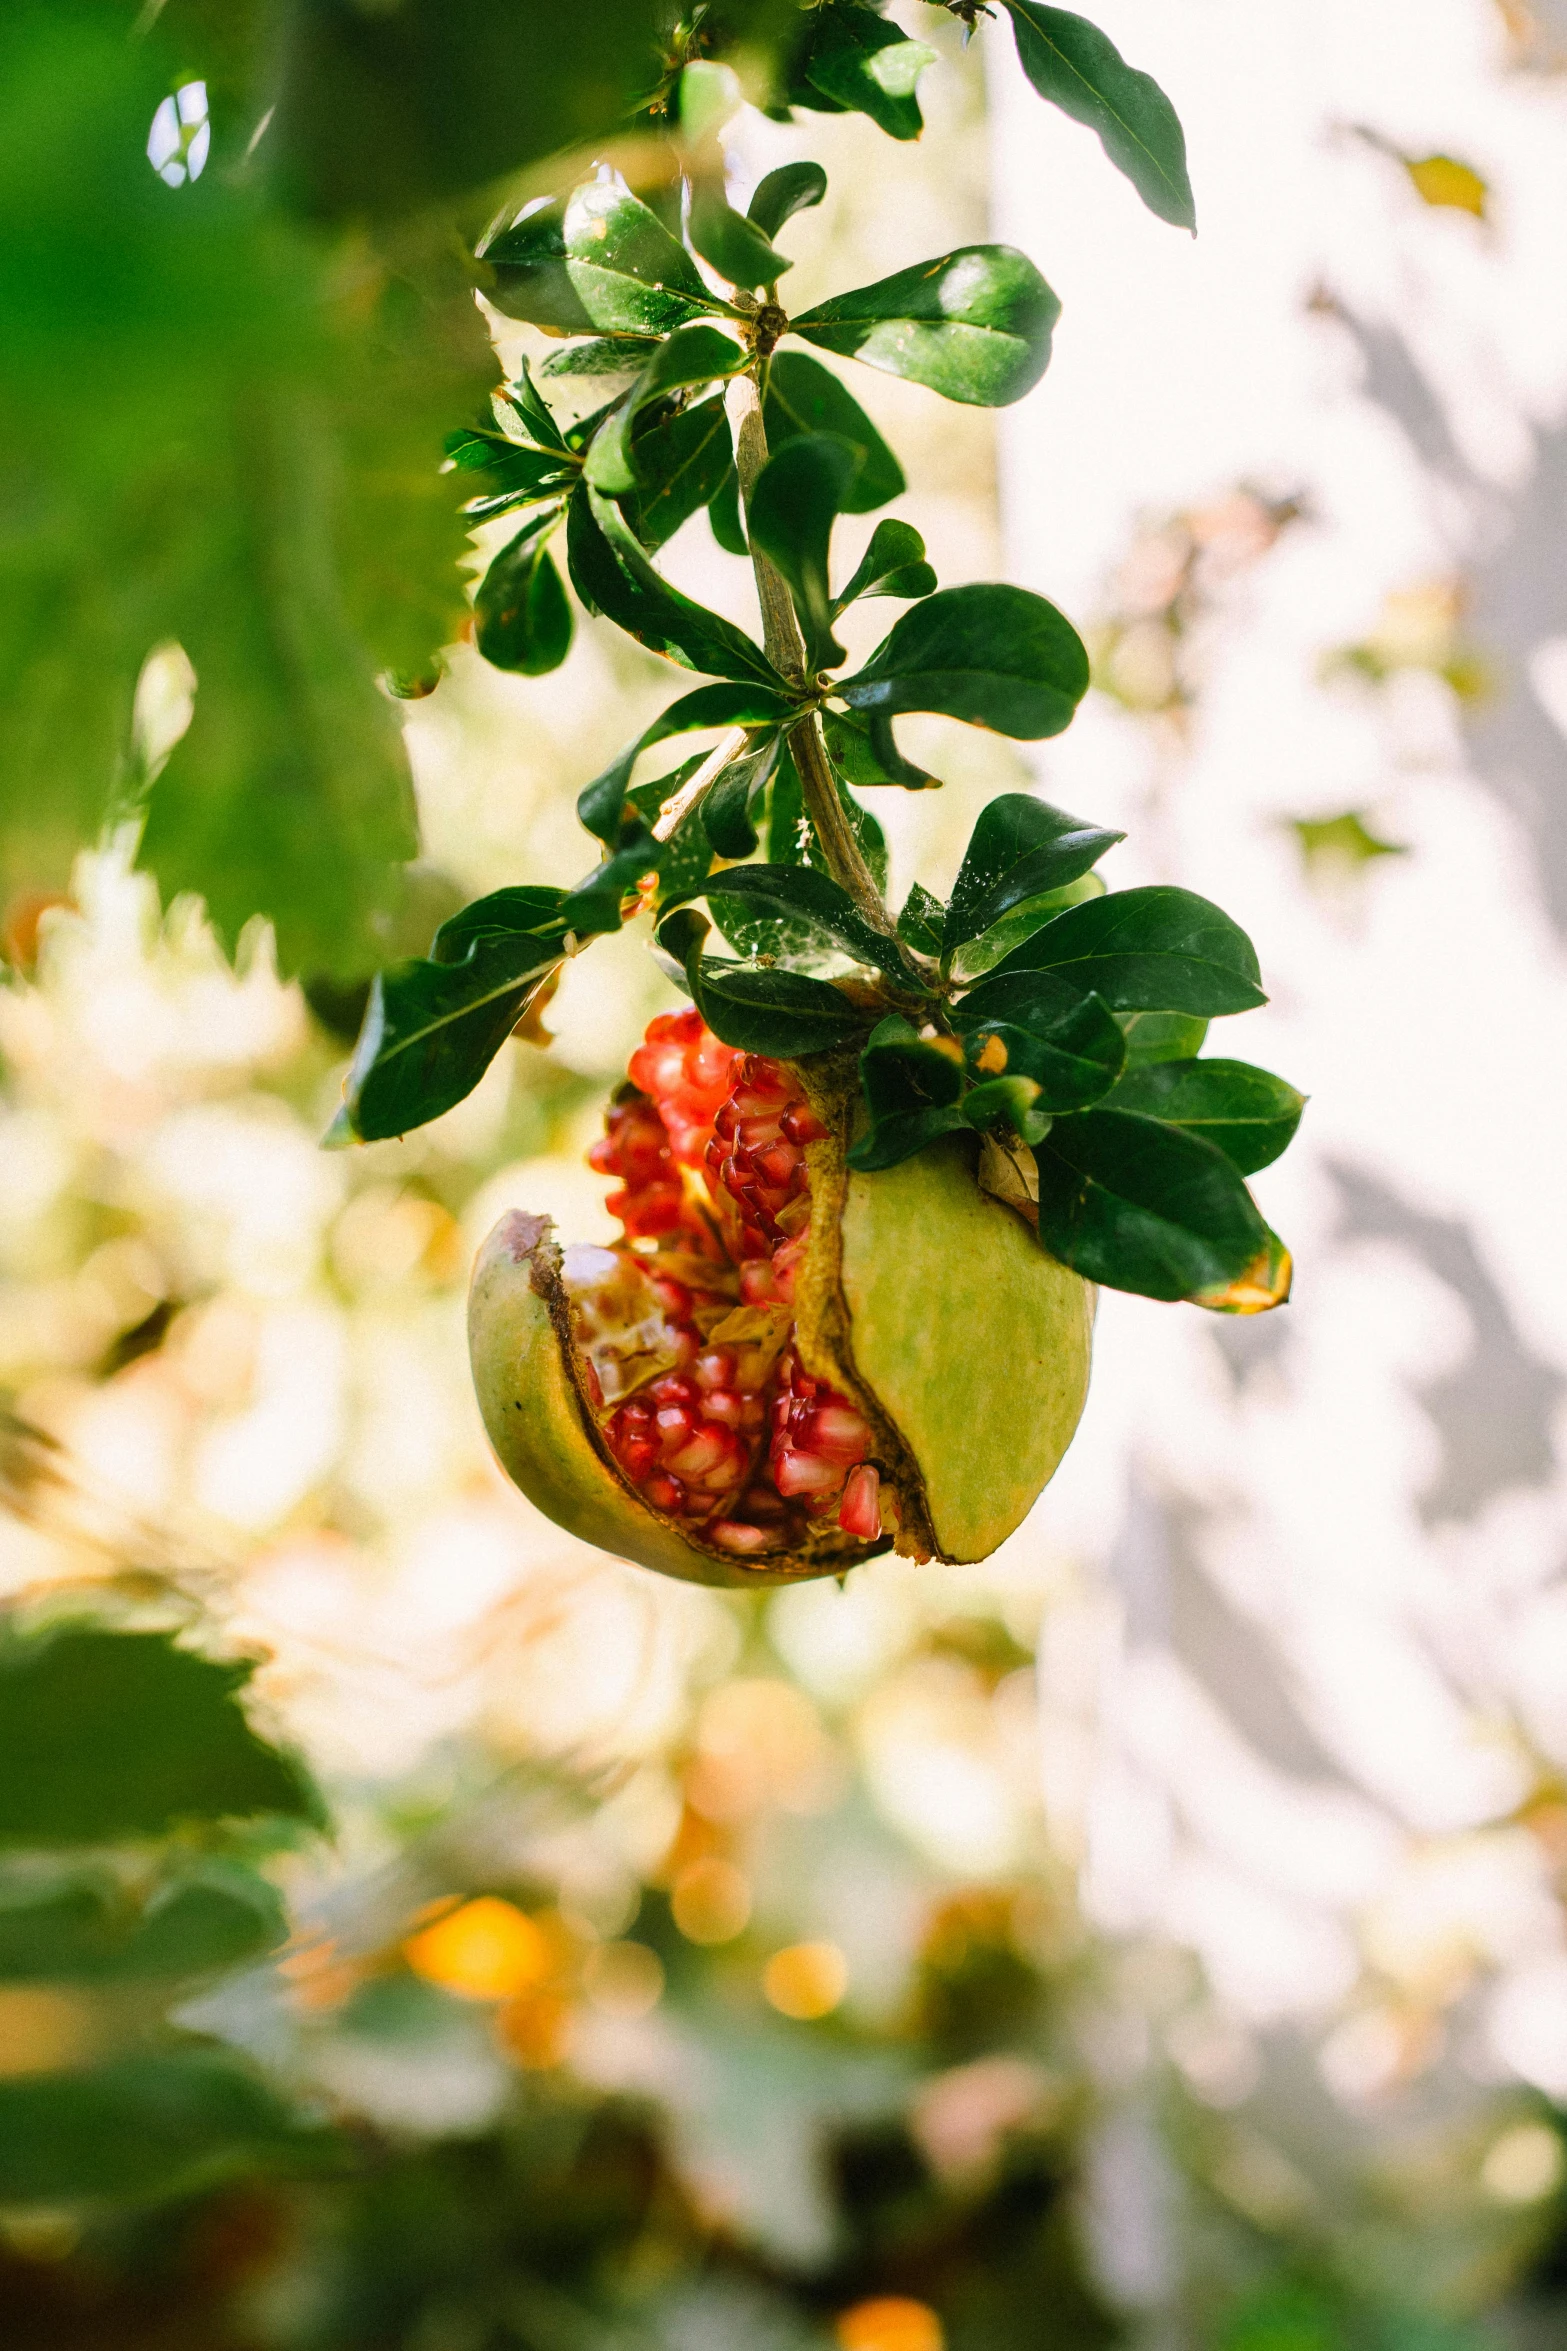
(1180, 1890)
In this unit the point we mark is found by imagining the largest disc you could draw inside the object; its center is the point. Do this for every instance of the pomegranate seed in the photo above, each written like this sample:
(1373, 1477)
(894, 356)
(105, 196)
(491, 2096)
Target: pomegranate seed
(706, 1449)
(838, 1431)
(672, 1389)
(860, 1511)
(724, 1405)
(735, 1536)
(757, 1286)
(801, 1124)
(664, 1492)
(804, 1473)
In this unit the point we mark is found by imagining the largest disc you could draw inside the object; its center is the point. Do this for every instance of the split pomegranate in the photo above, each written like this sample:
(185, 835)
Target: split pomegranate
(687, 1331)
(783, 1367)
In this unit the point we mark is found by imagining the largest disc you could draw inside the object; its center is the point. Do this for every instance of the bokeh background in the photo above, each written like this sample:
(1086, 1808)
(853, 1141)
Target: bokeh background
(1155, 1935)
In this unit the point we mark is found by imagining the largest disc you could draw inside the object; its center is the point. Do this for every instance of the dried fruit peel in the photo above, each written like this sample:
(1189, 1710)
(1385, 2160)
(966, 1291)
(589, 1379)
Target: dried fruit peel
(920, 1298)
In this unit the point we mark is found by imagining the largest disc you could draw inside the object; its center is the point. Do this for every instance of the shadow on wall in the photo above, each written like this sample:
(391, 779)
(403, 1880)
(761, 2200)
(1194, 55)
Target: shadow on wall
(1514, 555)
(1494, 1410)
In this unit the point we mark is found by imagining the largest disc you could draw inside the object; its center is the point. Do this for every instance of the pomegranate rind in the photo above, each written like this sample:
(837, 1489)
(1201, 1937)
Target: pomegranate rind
(975, 1344)
(527, 1380)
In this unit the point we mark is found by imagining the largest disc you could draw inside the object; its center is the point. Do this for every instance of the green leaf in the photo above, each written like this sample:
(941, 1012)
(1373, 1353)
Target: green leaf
(974, 325)
(1161, 1036)
(921, 920)
(110, 1735)
(892, 565)
(691, 356)
(1078, 68)
(531, 410)
(86, 1928)
(433, 1027)
(519, 475)
(612, 576)
(1074, 1056)
(1140, 1206)
(854, 61)
(263, 488)
(522, 620)
(604, 355)
(723, 512)
(797, 498)
(1011, 1101)
(900, 1135)
(980, 955)
(144, 2128)
(1020, 848)
(600, 804)
(1027, 999)
(799, 894)
(802, 396)
(900, 1071)
(1249, 1114)
(998, 656)
(868, 756)
(1148, 950)
(757, 1010)
(726, 810)
(792, 188)
(595, 262)
(382, 110)
(681, 463)
(733, 244)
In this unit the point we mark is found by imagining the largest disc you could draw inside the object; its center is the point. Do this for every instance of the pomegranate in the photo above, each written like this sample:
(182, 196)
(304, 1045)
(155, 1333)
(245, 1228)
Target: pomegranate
(784, 1367)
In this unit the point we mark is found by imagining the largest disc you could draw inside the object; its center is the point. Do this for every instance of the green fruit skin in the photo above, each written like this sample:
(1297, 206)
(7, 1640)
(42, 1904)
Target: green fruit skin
(976, 1345)
(539, 1427)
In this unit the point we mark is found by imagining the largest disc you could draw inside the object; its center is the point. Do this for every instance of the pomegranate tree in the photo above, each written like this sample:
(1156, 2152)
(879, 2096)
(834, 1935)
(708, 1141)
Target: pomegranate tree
(869, 1179)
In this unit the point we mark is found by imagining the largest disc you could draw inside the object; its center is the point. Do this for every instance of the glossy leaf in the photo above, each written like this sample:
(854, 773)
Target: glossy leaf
(531, 409)
(921, 920)
(1011, 1101)
(1019, 849)
(854, 61)
(901, 1135)
(691, 356)
(798, 893)
(596, 262)
(991, 947)
(600, 805)
(727, 810)
(612, 576)
(1263, 1284)
(1026, 999)
(522, 621)
(797, 498)
(866, 753)
(144, 2127)
(682, 463)
(1078, 68)
(86, 1928)
(804, 397)
(1161, 1036)
(997, 656)
(761, 1011)
(780, 194)
(1249, 1114)
(723, 512)
(1074, 1058)
(893, 565)
(1148, 950)
(517, 475)
(432, 1029)
(1140, 1206)
(604, 355)
(974, 325)
(731, 242)
(902, 1071)
(109, 1735)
